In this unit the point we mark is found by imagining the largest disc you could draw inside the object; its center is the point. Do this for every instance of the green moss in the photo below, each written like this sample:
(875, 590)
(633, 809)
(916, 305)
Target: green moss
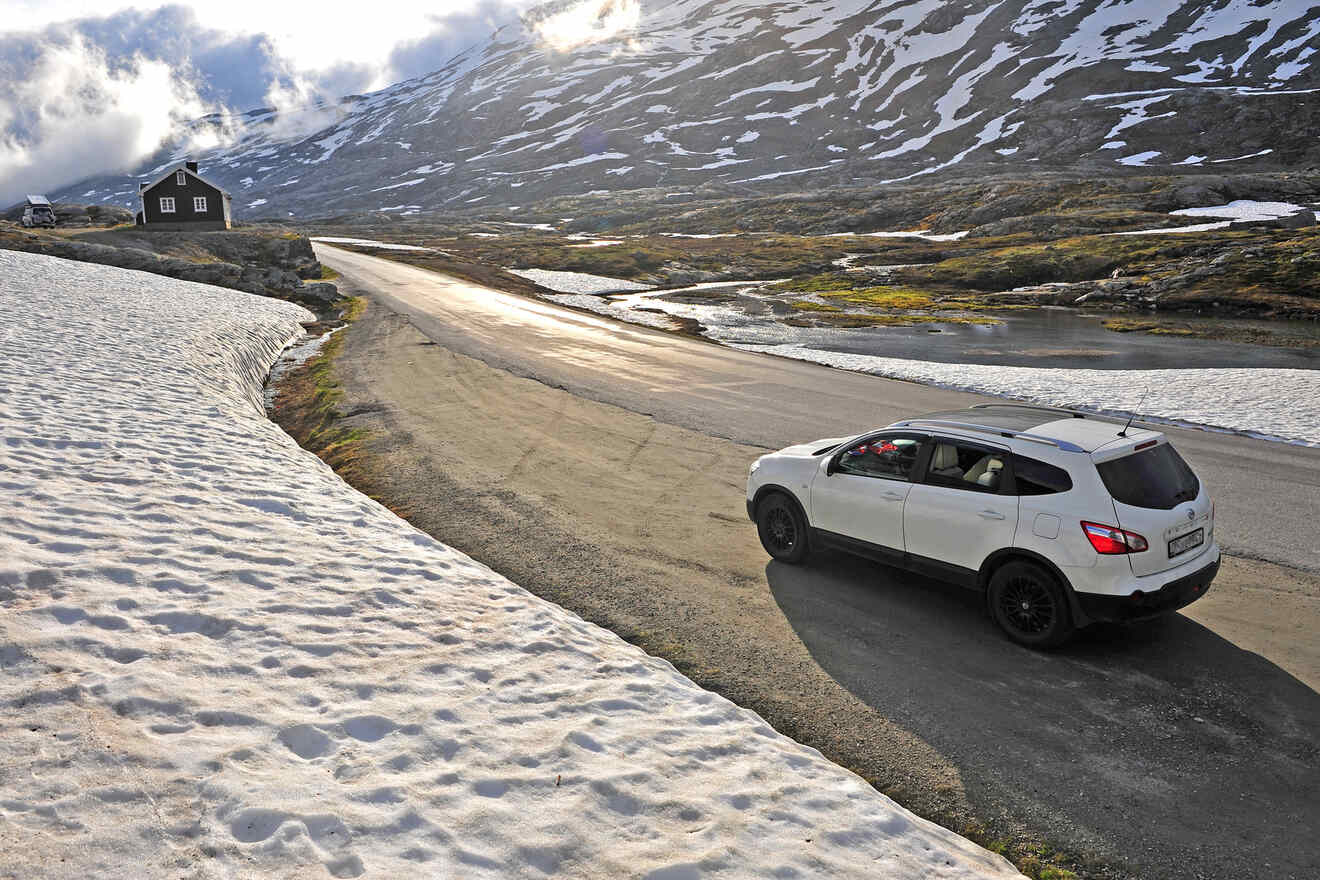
(1050, 872)
(307, 405)
(1130, 325)
(806, 305)
(885, 297)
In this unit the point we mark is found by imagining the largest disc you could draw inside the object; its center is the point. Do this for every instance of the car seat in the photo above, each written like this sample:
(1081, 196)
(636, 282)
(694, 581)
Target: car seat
(986, 472)
(944, 461)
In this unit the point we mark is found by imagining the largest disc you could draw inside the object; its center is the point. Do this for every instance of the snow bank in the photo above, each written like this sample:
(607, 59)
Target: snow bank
(367, 242)
(1272, 404)
(577, 282)
(220, 661)
(1244, 209)
(1170, 230)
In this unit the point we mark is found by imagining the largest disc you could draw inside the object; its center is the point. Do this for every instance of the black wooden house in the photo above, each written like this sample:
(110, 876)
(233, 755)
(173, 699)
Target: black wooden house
(181, 200)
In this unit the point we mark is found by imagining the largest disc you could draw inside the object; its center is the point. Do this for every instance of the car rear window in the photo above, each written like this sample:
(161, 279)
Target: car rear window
(1038, 478)
(1156, 478)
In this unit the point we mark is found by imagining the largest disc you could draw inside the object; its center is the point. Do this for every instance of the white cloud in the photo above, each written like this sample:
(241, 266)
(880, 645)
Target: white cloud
(72, 115)
(88, 89)
(312, 36)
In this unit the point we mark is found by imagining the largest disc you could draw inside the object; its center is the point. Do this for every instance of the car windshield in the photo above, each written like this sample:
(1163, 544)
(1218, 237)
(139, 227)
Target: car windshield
(1156, 478)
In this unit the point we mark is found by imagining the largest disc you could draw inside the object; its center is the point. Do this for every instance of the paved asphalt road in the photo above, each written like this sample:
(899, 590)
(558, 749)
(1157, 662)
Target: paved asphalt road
(1267, 494)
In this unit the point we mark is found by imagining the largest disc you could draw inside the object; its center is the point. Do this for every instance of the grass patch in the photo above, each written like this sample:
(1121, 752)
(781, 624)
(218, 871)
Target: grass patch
(1130, 325)
(307, 407)
(885, 297)
(806, 305)
(328, 274)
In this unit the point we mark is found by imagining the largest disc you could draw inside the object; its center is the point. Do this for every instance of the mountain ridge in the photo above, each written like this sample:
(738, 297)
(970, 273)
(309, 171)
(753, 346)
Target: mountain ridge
(618, 95)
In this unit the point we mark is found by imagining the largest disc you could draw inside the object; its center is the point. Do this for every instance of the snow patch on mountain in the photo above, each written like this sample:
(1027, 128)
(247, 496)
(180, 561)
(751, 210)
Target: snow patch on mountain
(1244, 209)
(890, 90)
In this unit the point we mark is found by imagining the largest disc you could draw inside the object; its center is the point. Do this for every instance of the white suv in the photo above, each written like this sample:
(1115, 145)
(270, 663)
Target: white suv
(1062, 519)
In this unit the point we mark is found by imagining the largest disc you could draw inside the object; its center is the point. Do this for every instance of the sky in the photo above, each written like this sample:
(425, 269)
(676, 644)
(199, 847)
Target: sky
(94, 87)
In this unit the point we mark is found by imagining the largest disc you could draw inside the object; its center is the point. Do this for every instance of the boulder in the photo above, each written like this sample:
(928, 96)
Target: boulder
(1300, 220)
(322, 291)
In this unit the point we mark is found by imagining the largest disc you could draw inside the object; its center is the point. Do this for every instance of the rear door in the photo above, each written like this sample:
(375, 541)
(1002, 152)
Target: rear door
(859, 492)
(1157, 495)
(959, 513)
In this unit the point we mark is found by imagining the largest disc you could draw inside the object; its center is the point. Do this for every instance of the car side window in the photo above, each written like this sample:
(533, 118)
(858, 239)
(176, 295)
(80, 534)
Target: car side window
(1033, 477)
(957, 464)
(888, 456)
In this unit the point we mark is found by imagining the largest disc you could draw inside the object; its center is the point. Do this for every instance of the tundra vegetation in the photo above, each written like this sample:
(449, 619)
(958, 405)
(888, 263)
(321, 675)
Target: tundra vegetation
(1025, 243)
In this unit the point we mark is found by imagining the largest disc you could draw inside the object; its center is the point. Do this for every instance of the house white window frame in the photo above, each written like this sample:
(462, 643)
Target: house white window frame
(180, 178)
(167, 205)
(199, 204)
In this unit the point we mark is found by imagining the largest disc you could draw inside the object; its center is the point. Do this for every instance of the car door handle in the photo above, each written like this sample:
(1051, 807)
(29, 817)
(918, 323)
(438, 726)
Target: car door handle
(990, 514)
(892, 496)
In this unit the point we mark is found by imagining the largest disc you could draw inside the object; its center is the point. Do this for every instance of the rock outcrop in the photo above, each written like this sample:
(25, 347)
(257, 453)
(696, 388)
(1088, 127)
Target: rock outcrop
(269, 264)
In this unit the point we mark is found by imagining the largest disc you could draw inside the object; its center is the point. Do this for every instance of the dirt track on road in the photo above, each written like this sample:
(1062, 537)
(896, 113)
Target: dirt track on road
(640, 526)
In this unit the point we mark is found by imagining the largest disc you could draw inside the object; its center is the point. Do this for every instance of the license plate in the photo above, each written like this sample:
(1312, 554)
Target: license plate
(1181, 545)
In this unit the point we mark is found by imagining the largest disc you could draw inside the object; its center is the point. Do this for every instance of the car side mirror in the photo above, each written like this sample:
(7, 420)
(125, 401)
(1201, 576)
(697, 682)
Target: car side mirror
(832, 466)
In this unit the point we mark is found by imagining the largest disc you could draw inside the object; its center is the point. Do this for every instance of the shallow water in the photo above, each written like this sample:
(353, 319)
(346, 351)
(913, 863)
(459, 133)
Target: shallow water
(1047, 337)
(1064, 338)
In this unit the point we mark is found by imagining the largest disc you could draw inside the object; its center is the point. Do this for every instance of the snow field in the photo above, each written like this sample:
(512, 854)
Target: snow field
(221, 661)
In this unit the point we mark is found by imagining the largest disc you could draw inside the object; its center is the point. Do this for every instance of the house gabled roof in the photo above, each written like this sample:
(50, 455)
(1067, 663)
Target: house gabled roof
(184, 168)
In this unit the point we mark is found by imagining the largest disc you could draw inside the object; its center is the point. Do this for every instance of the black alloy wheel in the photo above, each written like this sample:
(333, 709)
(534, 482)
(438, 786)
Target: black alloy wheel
(1029, 605)
(782, 529)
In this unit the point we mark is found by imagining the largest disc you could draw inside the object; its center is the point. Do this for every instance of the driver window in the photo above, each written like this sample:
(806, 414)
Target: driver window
(881, 456)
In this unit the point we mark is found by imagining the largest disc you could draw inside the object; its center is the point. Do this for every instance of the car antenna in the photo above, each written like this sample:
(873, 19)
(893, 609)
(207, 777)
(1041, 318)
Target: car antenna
(1123, 433)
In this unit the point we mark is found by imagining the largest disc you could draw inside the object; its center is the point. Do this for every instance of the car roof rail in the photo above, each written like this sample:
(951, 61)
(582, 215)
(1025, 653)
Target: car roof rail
(1061, 445)
(1054, 409)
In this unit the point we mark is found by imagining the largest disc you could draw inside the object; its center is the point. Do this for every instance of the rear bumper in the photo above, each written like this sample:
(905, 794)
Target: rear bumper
(1172, 596)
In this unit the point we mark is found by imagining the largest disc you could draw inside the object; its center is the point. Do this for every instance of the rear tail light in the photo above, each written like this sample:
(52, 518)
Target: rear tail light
(1110, 541)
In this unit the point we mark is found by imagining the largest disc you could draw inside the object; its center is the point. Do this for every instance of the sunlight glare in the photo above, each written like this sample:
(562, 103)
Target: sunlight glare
(591, 21)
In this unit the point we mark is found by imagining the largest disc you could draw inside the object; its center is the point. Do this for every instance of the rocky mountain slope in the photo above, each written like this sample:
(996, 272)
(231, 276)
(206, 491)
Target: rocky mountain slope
(739, 96)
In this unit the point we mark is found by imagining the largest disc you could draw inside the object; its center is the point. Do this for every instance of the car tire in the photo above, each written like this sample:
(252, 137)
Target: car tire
(782, 529)
(1029, 605)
